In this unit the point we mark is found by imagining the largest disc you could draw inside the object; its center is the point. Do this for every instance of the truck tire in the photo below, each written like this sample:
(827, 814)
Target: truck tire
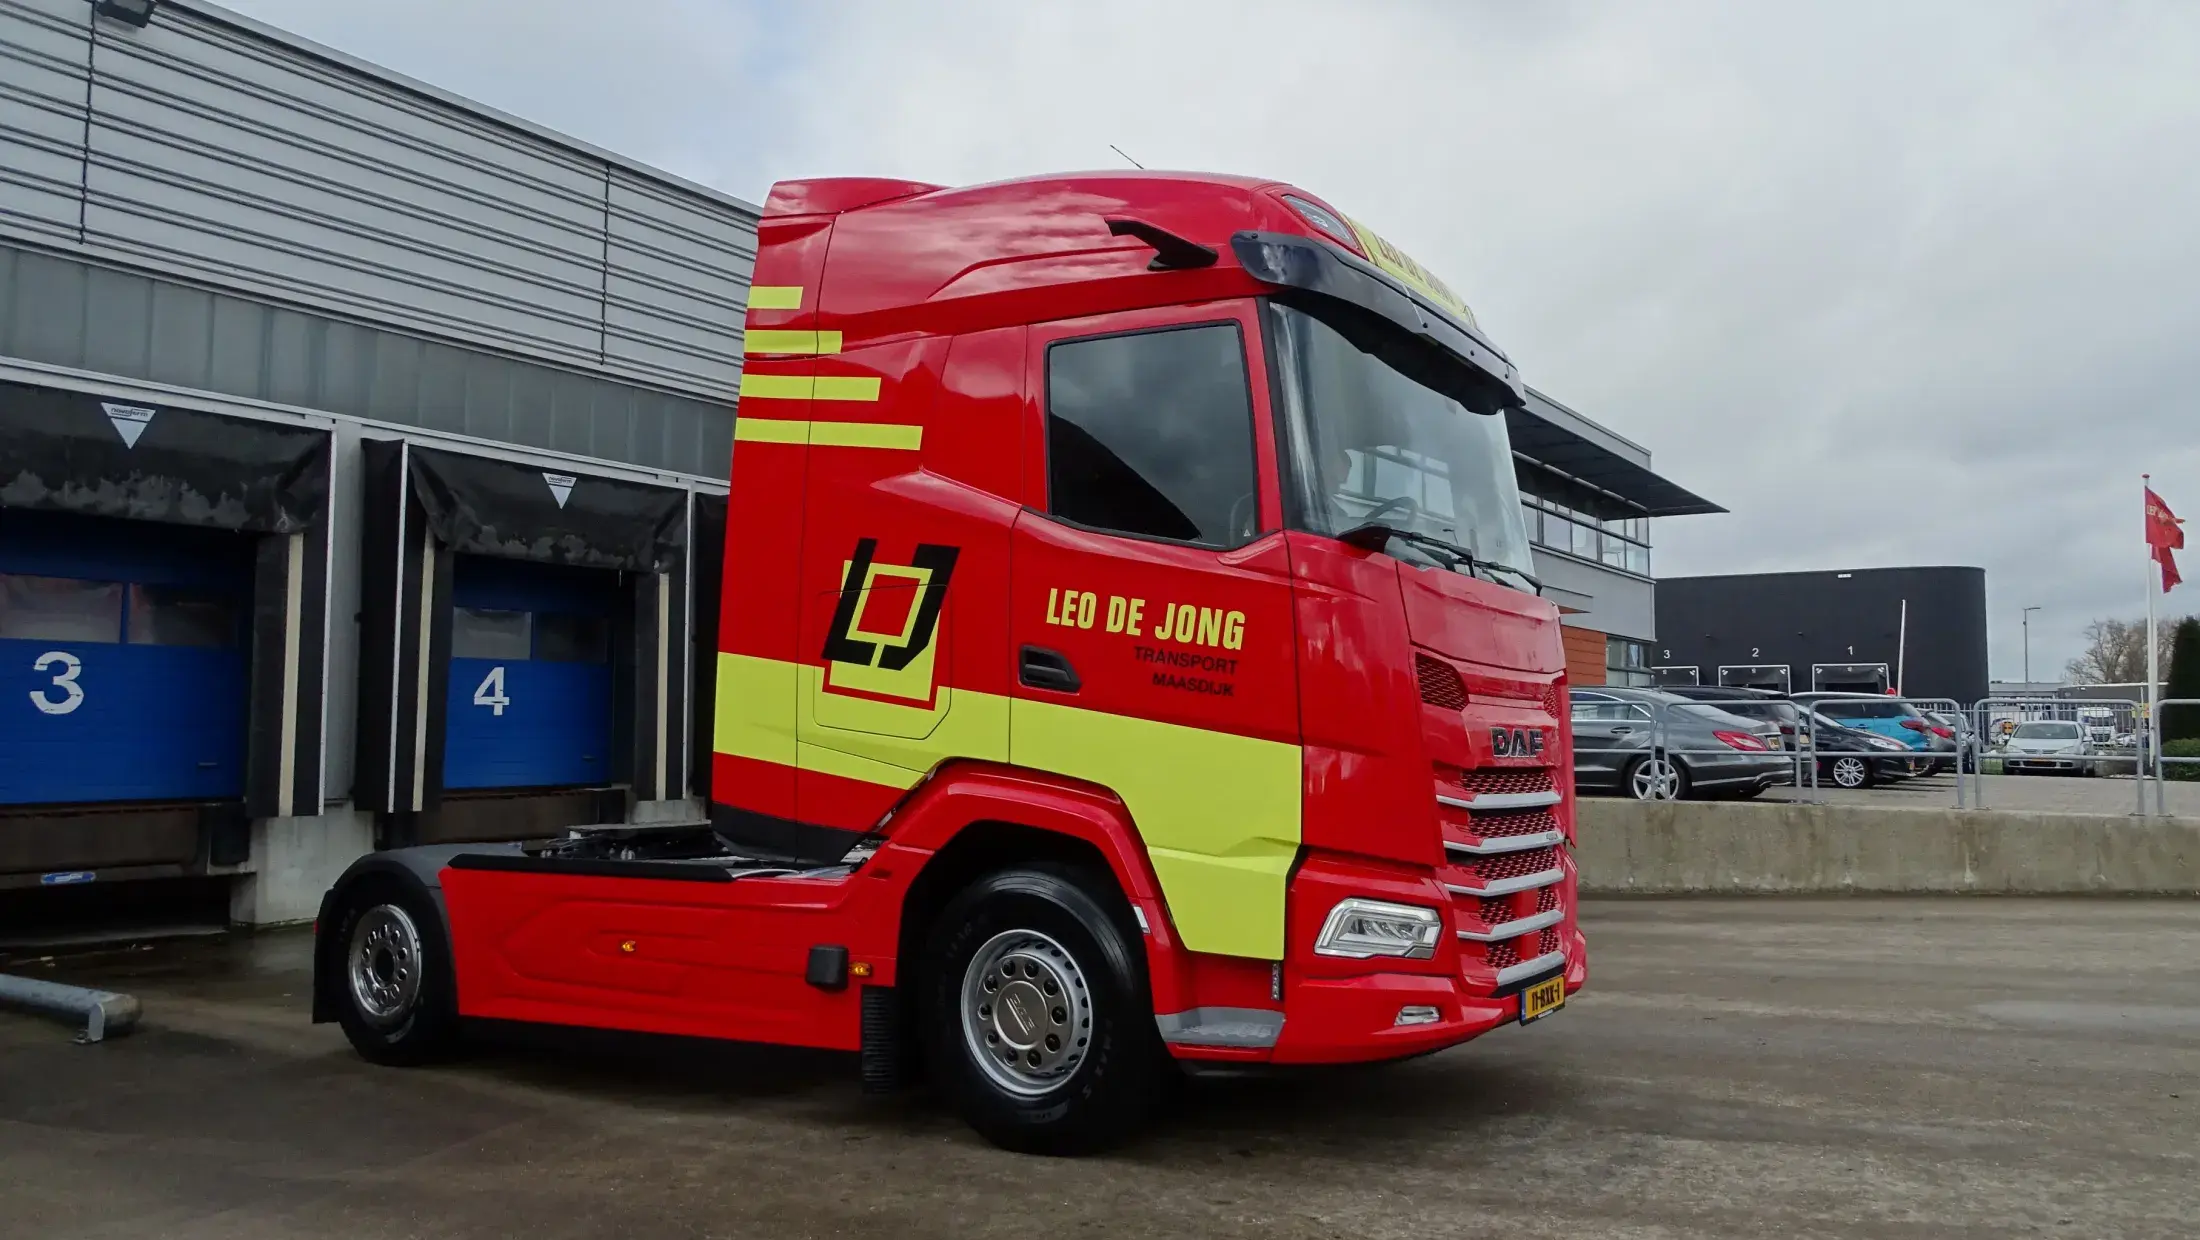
(1038, 1021)
(395, 996)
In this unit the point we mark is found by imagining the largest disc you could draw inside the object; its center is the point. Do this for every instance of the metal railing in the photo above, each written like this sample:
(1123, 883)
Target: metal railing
(1659, 750)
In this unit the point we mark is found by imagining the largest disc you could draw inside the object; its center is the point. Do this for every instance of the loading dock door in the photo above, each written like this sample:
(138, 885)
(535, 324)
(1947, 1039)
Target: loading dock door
(1774, 677)
(123, 660)
(529, 700)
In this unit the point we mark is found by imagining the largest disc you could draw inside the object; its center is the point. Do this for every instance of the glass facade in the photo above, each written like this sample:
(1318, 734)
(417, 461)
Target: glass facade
(1627, 662)
(1622, 543)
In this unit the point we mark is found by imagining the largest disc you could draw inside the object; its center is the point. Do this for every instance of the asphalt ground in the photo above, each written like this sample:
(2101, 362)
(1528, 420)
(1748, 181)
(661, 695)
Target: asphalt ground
(1972, 1067)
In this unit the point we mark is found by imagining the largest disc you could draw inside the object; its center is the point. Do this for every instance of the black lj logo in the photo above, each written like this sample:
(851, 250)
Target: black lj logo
(891, 648)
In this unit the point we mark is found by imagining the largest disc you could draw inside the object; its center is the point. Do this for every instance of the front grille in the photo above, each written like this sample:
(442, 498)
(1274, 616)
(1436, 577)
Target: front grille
(1546, 899)
(1503, 955)
(1502, 783)
(1550, 702)
(1515, 865)
(1440, 683)
(1497, 824)
(1546, 942)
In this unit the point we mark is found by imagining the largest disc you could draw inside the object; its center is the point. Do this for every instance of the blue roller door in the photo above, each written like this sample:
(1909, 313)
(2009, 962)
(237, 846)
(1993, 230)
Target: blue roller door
(530, 688)
(123, 660)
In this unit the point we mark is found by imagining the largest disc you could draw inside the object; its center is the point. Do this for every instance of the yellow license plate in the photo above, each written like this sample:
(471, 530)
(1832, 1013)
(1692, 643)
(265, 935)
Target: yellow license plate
(1542, 999)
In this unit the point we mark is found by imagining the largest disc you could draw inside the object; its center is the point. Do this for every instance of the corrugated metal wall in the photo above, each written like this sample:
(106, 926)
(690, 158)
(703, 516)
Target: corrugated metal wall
(66, 312)
(203, 150)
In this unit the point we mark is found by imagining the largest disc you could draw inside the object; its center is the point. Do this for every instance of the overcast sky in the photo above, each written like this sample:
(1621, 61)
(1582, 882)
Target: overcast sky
(1896, 283)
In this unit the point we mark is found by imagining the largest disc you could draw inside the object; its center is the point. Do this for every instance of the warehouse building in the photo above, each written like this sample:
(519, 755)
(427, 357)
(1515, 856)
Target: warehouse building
(1589, 494)
(361, 453)
(1866, 630)
(363, 458)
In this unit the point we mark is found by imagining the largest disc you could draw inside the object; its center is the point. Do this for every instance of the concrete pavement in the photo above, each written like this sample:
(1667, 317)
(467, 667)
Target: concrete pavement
(1969, 1067)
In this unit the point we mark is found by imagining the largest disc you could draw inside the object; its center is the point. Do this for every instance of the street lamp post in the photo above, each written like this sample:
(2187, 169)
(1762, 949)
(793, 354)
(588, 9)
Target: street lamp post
(2027, 614)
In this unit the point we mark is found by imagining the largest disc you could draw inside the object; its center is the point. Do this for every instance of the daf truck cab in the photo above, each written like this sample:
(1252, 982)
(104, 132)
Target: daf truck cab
(1130, 661)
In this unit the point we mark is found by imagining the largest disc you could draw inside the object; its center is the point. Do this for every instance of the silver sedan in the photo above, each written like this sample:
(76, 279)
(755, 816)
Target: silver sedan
(1704, 751)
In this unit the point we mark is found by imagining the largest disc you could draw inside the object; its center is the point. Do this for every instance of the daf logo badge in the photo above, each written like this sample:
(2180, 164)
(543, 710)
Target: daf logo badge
(1516, 742)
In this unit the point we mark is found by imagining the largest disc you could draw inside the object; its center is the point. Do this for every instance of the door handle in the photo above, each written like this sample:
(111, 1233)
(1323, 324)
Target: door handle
(1625, 729)
(1040, 668)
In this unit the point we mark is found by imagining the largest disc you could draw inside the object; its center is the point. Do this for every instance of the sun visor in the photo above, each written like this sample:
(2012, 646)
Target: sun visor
(1437, 349)
(75, 452)
(485, 506)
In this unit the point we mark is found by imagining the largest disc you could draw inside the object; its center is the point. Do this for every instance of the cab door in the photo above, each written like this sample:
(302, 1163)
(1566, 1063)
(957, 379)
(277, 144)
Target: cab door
(1151, 620)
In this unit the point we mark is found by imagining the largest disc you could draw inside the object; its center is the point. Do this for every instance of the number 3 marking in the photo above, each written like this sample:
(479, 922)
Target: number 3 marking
(65, 679)
(490, 692)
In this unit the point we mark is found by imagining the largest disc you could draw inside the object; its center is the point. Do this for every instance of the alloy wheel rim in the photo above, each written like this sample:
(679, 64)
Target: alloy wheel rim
(1655, 780)
(1849, 772)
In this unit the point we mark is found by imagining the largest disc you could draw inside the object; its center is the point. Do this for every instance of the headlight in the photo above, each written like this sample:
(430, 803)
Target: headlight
(1359, 929)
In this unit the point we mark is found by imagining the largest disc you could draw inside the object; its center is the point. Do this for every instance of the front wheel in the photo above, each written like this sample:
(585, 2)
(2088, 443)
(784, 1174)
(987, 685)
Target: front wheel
(1038, 1019)
(1848, 772)
(395, 999)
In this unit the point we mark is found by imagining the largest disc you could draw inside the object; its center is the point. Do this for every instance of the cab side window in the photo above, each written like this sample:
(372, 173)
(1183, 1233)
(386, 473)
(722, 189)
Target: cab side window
(1151, 434)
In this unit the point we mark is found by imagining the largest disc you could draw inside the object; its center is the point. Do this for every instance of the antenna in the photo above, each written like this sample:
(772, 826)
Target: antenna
(1126, 157)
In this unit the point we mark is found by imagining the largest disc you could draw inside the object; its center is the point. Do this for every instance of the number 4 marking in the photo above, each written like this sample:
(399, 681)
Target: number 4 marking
(491, 692)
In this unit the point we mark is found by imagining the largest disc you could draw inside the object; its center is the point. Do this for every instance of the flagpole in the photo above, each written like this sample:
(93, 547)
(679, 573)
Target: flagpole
(2154, 725)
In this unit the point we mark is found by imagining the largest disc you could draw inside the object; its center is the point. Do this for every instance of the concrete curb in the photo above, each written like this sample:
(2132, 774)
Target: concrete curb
(1759, 848)
(102, 1011)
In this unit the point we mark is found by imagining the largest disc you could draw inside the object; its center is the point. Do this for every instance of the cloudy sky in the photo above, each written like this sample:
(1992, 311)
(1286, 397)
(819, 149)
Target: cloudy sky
(1897, 283)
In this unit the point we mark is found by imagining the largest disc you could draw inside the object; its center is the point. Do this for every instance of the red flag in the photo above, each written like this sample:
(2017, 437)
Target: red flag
(2165, 534)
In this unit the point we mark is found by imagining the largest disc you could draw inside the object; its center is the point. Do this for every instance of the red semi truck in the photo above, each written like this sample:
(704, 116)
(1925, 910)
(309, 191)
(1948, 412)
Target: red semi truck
(1130, 661)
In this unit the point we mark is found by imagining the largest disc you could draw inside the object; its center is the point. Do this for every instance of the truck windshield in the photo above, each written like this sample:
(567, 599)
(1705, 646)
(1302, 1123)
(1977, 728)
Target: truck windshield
(1370, 443)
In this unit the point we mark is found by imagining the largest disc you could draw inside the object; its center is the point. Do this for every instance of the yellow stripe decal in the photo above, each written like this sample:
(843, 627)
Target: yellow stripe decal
(1219, 813)
(829, 434)
(775, 297)
(761, 340)
(770, 430)
(866, 435)
(808, 387)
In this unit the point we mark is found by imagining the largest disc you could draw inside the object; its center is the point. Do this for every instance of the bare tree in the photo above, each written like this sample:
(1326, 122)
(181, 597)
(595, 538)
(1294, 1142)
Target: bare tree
(2116, 652)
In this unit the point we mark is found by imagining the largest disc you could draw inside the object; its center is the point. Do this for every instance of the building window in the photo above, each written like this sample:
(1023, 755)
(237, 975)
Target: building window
(1627, 662)
(1152, 434)
(1622, 543)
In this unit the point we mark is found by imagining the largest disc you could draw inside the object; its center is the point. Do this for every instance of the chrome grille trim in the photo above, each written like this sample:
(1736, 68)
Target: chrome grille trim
(1507, 886)
(1514, 929)
(1507, 843)
(1529, 968)
(1490, 801)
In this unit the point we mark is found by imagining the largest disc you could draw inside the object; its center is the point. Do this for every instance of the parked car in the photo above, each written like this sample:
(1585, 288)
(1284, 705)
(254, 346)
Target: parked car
(1763, 705)
(2049, 746)
(1855, 757)
(1894, 719)
(1706, 751)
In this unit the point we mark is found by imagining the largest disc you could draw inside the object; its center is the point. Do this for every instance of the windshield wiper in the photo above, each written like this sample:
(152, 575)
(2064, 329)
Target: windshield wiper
(1374, 534)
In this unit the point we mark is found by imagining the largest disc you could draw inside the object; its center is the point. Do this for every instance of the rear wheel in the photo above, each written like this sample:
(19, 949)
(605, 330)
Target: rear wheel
(395, 1001)
(1849, 772)
(1038, 1020)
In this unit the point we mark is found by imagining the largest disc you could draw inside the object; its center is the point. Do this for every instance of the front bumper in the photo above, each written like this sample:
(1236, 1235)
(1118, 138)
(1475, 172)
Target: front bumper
(1354, 1020)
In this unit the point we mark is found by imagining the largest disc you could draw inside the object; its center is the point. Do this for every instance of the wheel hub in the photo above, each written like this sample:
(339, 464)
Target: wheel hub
(385, 964)
(1027, 1012)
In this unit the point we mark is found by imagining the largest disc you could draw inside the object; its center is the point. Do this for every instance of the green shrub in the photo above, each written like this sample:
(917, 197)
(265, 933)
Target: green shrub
(2181, 770)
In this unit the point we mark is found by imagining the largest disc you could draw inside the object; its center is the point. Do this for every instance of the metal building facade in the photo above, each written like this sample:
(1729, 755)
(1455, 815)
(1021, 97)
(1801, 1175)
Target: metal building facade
(208, 215)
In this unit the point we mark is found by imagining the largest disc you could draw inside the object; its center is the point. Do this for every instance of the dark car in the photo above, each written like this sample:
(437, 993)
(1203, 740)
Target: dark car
(1705, 750)
(1854, 757)
(1760, 704)
(1894, 718)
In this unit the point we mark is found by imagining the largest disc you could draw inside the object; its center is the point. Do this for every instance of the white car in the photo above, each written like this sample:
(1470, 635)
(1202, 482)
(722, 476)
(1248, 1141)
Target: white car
(2048, 746)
